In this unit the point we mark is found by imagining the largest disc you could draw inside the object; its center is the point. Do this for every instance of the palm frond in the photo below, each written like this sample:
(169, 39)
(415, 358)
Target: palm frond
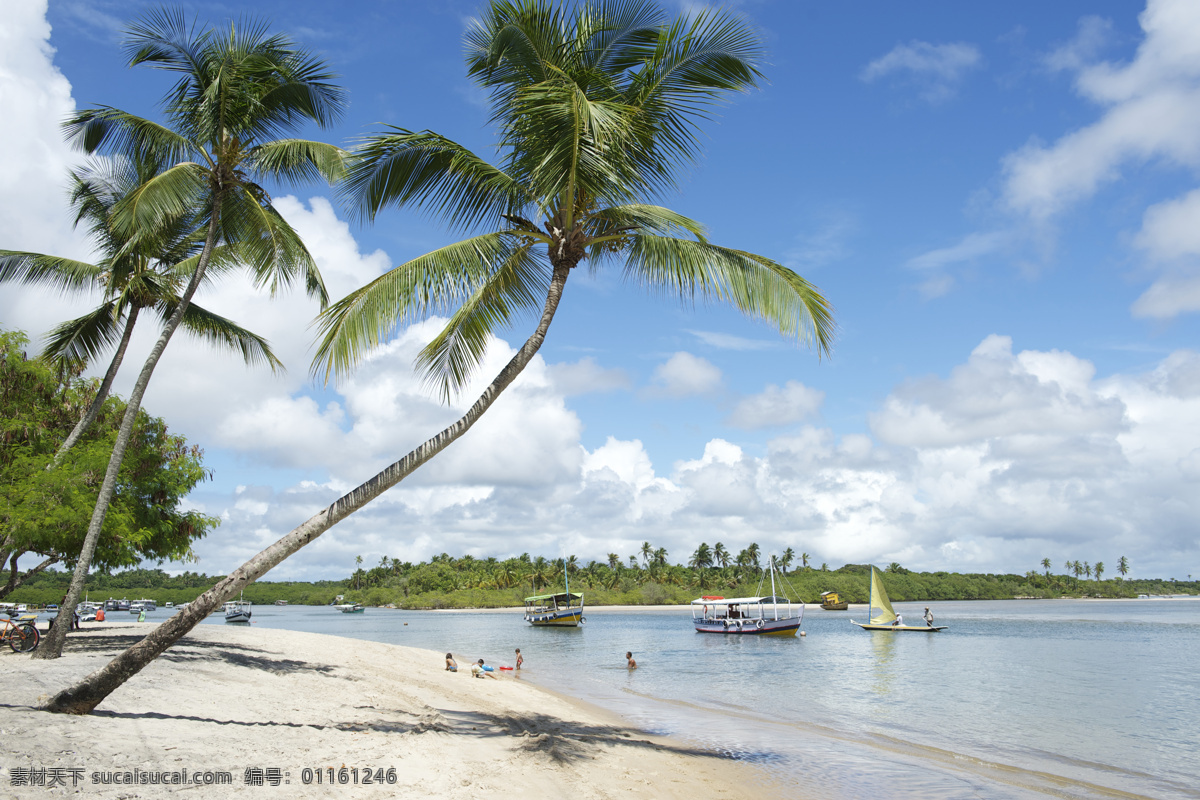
(423, 168)
(263, 240)
(173, 194)
(83, 339)
(756, 286)
(299, 160)
(436, 282)
(224, 333)
(64, 274)
(110, 130)
(518, 286)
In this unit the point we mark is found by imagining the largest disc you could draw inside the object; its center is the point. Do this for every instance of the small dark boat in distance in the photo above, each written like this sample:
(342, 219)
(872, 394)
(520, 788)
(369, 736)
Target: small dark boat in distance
(830, 601)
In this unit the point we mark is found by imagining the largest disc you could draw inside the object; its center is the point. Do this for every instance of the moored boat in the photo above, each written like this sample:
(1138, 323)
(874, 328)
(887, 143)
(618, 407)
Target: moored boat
(561, 610)
(832, 601)
(237, 611)
(769, 615)
(351, 608)
(883, 617)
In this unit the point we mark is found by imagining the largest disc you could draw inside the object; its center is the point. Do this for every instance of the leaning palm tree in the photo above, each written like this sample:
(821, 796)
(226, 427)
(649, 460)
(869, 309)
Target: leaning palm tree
(136, 271)
(598, 106)
(233, 92)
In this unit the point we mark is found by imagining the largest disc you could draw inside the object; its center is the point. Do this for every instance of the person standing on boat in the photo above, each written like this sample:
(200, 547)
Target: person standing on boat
(898, 621)
(928, 617)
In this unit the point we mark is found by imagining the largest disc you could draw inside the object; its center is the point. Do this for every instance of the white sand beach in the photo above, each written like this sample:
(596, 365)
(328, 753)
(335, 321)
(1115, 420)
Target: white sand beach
(288, 706)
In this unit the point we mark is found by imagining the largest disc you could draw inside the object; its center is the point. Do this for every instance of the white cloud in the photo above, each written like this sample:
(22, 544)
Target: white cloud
(776, 406)
(1152, 111)
(34, 159)
(938, 69)
(725, 341)
(1011, 458)
(586, 376)
(685, 375)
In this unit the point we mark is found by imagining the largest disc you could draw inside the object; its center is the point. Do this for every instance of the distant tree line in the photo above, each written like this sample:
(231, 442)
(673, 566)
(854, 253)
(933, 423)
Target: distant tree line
(644, 577)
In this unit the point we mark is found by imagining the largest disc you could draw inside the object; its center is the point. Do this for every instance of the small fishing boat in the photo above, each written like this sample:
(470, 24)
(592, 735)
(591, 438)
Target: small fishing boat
(559, 610)
(562, 610)
(831, 601)
(882, 615)
(237, 611)
(351, 608)
(769, 615)
(281, 602)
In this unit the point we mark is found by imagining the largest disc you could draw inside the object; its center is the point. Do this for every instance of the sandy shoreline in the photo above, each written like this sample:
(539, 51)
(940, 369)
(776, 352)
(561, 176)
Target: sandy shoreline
(226, 699)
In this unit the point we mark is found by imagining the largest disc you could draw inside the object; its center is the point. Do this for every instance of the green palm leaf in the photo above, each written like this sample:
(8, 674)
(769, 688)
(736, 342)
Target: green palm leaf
(64, 274)
(437, 282)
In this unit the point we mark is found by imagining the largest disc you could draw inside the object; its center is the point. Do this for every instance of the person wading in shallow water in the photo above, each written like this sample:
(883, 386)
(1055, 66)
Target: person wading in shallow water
(630, 662)
(520, 658)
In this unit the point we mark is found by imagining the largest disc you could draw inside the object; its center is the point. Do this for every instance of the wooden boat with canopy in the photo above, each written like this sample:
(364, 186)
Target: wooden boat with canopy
(882, 615)
(769, 615)
(560, 610)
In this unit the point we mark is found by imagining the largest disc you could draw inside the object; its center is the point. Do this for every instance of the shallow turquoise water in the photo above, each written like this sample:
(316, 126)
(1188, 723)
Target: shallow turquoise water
(1061, 698)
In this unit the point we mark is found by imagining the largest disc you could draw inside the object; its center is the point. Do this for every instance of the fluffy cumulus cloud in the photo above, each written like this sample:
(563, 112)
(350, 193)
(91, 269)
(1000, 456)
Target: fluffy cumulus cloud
(936, 69)
(1010, 458)
(34, 160)
(1150, 112)
(776, 406)
(685, 375)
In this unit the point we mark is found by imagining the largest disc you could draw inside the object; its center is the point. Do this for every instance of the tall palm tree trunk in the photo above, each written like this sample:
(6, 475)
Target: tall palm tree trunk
(101, 395)
(88, 693)
(53, 644)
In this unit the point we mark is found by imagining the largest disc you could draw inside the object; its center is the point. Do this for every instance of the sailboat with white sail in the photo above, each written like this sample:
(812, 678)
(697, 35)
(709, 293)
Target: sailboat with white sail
(883, 617)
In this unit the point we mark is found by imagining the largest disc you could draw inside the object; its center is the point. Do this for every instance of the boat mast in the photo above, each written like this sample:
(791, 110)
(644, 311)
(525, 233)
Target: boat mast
(774, 598)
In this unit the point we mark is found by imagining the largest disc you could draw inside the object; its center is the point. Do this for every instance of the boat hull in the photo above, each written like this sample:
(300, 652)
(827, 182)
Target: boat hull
(835, 606)
(238, 617)
(571, 618)
(900, 628)
(750, 627)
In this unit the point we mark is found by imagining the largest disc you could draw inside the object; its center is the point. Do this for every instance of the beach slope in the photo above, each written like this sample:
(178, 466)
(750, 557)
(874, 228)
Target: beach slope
(273, 712)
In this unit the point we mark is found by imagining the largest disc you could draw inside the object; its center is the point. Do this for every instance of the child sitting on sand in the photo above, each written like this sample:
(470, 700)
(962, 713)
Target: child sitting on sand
(451, 664)
(478, 670)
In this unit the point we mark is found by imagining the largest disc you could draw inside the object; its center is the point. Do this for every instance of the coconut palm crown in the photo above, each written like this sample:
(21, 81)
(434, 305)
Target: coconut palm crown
(598, 107)
(234, 90)
(132, 274)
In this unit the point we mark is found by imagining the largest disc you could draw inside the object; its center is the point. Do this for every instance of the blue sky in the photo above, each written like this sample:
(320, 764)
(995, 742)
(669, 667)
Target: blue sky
(1000, 200)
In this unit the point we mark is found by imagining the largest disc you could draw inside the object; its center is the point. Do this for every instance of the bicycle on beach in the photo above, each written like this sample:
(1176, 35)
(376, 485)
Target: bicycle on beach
(22, 637)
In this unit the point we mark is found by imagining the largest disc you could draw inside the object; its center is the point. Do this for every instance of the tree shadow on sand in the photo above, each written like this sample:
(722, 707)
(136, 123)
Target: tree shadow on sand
(197, 651)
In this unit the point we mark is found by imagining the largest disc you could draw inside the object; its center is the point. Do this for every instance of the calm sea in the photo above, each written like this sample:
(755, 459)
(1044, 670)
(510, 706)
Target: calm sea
(1018, 699)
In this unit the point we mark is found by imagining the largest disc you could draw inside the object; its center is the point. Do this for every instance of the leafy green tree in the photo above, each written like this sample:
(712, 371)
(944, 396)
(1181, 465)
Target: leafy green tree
(44, 507)
(1046, 566)
(233, 91)
(598, 107)
(804, 557)
(720, 555)
(1123, 566)
(1098, 569)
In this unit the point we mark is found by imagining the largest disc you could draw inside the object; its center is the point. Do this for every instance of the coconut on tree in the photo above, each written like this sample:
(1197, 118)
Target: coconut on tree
(598, 108)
